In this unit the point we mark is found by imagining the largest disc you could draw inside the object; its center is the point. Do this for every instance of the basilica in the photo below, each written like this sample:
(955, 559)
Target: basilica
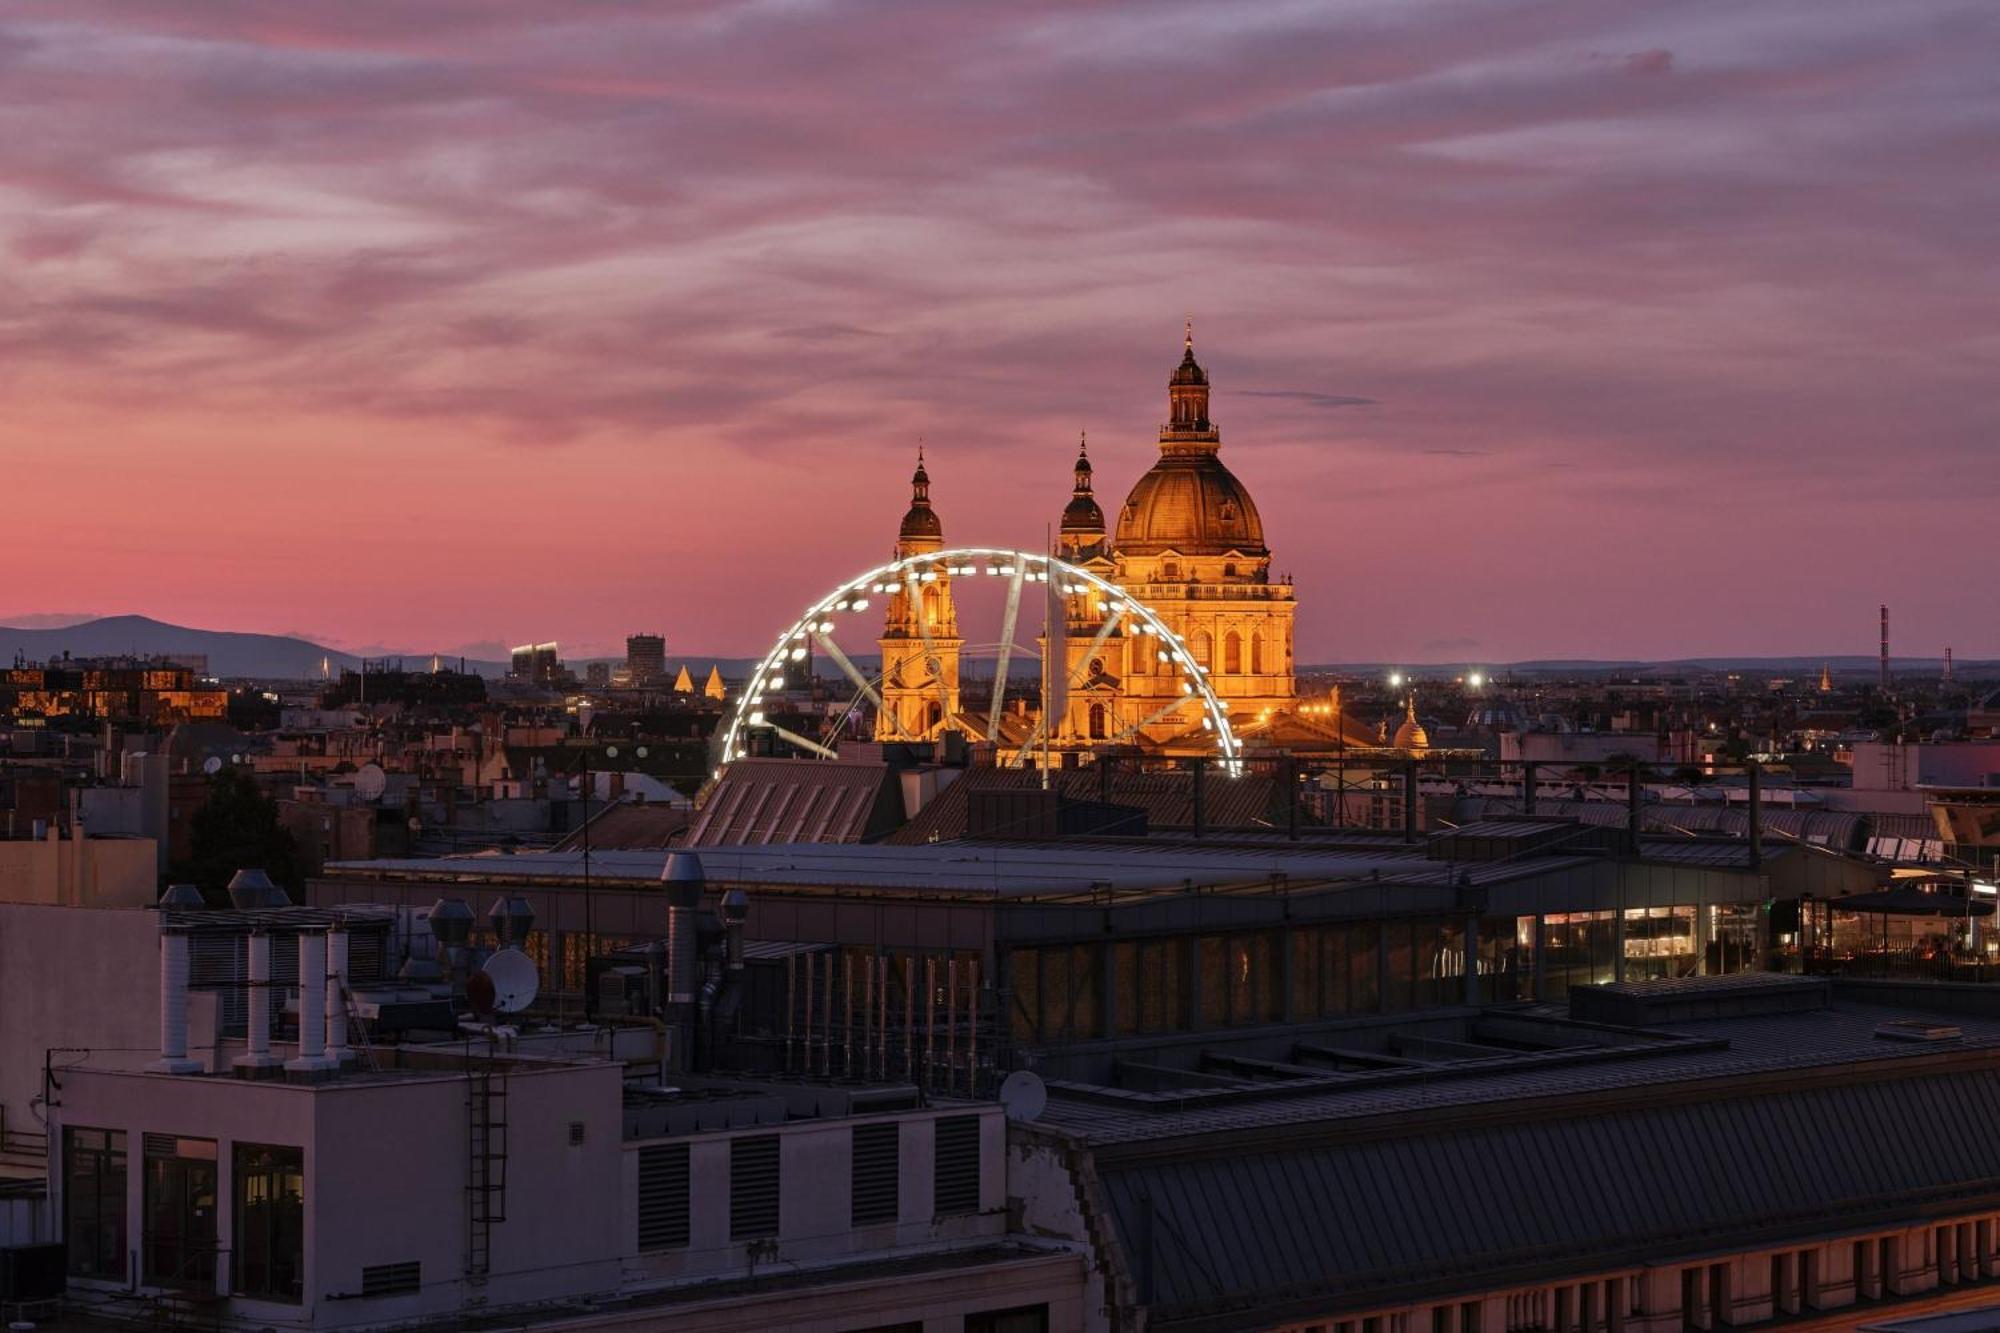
(1188, 543)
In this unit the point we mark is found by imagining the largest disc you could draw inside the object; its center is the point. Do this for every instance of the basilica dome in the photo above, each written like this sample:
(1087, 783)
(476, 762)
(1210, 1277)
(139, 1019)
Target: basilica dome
(1191, 504)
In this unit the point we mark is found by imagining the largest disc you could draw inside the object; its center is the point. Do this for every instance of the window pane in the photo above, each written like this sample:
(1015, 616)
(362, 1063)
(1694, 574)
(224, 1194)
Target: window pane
(1364, 967)
(94, 1202)
(1125, 984)
(1213, 976)
(270, 1222)
(1305, 972)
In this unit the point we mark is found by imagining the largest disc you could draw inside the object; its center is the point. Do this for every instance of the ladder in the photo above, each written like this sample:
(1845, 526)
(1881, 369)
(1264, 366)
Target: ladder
(486, 1177)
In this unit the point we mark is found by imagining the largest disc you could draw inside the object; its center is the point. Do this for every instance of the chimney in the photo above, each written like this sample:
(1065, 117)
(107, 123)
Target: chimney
(683, 877)
(258, 1062)
(1885, 646)
(311, 1063)
(336, 996)
(173, 1004)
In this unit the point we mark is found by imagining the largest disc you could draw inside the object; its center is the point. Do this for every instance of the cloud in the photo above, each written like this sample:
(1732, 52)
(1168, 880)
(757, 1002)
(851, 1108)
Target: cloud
(1311, 397)
(630, 285)
(48, 619)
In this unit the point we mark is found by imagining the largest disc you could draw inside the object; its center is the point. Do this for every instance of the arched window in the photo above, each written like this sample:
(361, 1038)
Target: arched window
(1097, 722)
(933, 714)
(1142, 655)
(1229, 570)
(1256, 653)
(1170, 571)
(1232, 654)
(930, 604)
(1204, 648)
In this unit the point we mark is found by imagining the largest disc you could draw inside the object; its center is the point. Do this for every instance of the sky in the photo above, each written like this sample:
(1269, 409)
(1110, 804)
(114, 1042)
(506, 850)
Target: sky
(1546, 328)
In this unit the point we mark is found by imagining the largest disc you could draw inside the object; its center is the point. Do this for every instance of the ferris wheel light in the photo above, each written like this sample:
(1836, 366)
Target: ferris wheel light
(861, 604)
(798, 653)
(826, 627)
(1164, 658)
(756, 719)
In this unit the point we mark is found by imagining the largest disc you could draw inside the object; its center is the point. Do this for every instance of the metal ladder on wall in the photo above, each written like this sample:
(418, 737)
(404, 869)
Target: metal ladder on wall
(486, 1177)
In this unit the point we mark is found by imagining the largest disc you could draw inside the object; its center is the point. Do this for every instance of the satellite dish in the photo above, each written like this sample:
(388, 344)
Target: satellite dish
(370, 782)
(479, 994)
(212, 765)
(1023, 1095)
(514, 979)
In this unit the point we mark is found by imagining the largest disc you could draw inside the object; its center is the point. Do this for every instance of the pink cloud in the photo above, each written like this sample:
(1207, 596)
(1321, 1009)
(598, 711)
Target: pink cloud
(471, 295)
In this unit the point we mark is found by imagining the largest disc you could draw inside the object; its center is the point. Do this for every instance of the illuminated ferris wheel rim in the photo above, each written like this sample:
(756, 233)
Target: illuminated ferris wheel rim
(911, 572)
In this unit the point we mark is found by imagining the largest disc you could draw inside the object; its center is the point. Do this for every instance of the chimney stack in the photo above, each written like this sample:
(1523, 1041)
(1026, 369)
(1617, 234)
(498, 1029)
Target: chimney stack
(1885, 647)
(683, 878)
(173, 1004)
(311, 1063)
(257, 1061)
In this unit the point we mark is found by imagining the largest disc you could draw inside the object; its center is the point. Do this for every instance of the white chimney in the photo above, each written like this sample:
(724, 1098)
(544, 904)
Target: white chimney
(258, 1059)
(173, 1004)
(311, 1060)
(336, 995)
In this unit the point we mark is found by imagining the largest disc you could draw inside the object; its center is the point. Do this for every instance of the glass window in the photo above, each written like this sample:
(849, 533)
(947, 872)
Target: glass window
(1266, 998)
(1305, 946)
(1020, 1319)
(270, 1222)
(1125, 987)
(1055, 994)
(1398, 984)
(94, 1202)
(1364, 967)
(1086, 979)
(180, 1194)
(1334, 999)
(1024, 976)
(1212, 972)
(1163, 1001)
(1501, 974)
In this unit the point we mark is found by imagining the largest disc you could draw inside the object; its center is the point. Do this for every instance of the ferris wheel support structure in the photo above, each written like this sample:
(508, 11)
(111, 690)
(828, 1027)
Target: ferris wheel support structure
(816, 626)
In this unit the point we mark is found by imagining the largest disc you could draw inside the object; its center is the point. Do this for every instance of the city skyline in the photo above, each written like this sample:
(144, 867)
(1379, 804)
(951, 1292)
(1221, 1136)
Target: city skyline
(1578, 331)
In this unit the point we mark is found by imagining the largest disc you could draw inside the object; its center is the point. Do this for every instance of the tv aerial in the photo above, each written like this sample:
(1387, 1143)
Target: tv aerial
(1023, 1095)
(515, 981)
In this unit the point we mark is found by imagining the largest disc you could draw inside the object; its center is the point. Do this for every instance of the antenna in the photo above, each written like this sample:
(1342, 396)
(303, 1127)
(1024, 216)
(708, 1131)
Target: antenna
(513, 978)
(370, 782)
(1023, 1095)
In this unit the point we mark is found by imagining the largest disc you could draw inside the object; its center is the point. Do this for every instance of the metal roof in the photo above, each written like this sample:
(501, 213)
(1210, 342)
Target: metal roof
(1223, 1238)
(983, 869)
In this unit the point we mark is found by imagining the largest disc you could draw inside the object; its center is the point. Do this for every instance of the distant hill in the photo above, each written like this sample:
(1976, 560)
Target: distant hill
(283, 657)
(272, 656)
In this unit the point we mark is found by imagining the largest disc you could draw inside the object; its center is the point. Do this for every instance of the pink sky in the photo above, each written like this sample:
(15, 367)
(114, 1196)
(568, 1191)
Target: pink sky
(1576, 328)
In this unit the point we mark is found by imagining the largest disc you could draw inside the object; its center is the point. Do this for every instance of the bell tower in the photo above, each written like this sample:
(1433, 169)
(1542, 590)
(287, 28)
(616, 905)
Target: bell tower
(920, 642)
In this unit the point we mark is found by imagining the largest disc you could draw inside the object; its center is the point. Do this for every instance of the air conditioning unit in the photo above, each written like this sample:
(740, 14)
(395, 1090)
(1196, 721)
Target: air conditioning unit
(624, 992)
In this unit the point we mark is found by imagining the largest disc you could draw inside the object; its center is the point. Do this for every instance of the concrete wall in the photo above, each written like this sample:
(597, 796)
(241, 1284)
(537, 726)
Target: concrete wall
(386, 1164)
(92, 872)
(76, 980)
(815, 1164)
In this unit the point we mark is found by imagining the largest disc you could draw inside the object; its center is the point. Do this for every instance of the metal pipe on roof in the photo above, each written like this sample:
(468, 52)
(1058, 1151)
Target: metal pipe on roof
(311, 1060)
(173, 1003)
(257, 1061)
(1756, 816)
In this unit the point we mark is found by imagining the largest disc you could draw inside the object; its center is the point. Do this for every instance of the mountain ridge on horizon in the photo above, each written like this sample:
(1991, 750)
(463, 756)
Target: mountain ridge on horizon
(289, 656)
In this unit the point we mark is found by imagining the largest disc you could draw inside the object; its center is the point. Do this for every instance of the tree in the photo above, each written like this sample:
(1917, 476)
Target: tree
(238, 829)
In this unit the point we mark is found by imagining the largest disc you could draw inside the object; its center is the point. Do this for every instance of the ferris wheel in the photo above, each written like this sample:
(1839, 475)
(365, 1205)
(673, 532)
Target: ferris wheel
(852, 608)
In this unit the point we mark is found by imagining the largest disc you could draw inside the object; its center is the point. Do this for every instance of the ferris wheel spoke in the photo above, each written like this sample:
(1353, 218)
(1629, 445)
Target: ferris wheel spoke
(1006, 650)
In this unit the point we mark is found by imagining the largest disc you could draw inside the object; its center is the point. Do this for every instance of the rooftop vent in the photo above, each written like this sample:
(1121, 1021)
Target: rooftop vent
(1917, 1029)
(182, 898)
(253, 889)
